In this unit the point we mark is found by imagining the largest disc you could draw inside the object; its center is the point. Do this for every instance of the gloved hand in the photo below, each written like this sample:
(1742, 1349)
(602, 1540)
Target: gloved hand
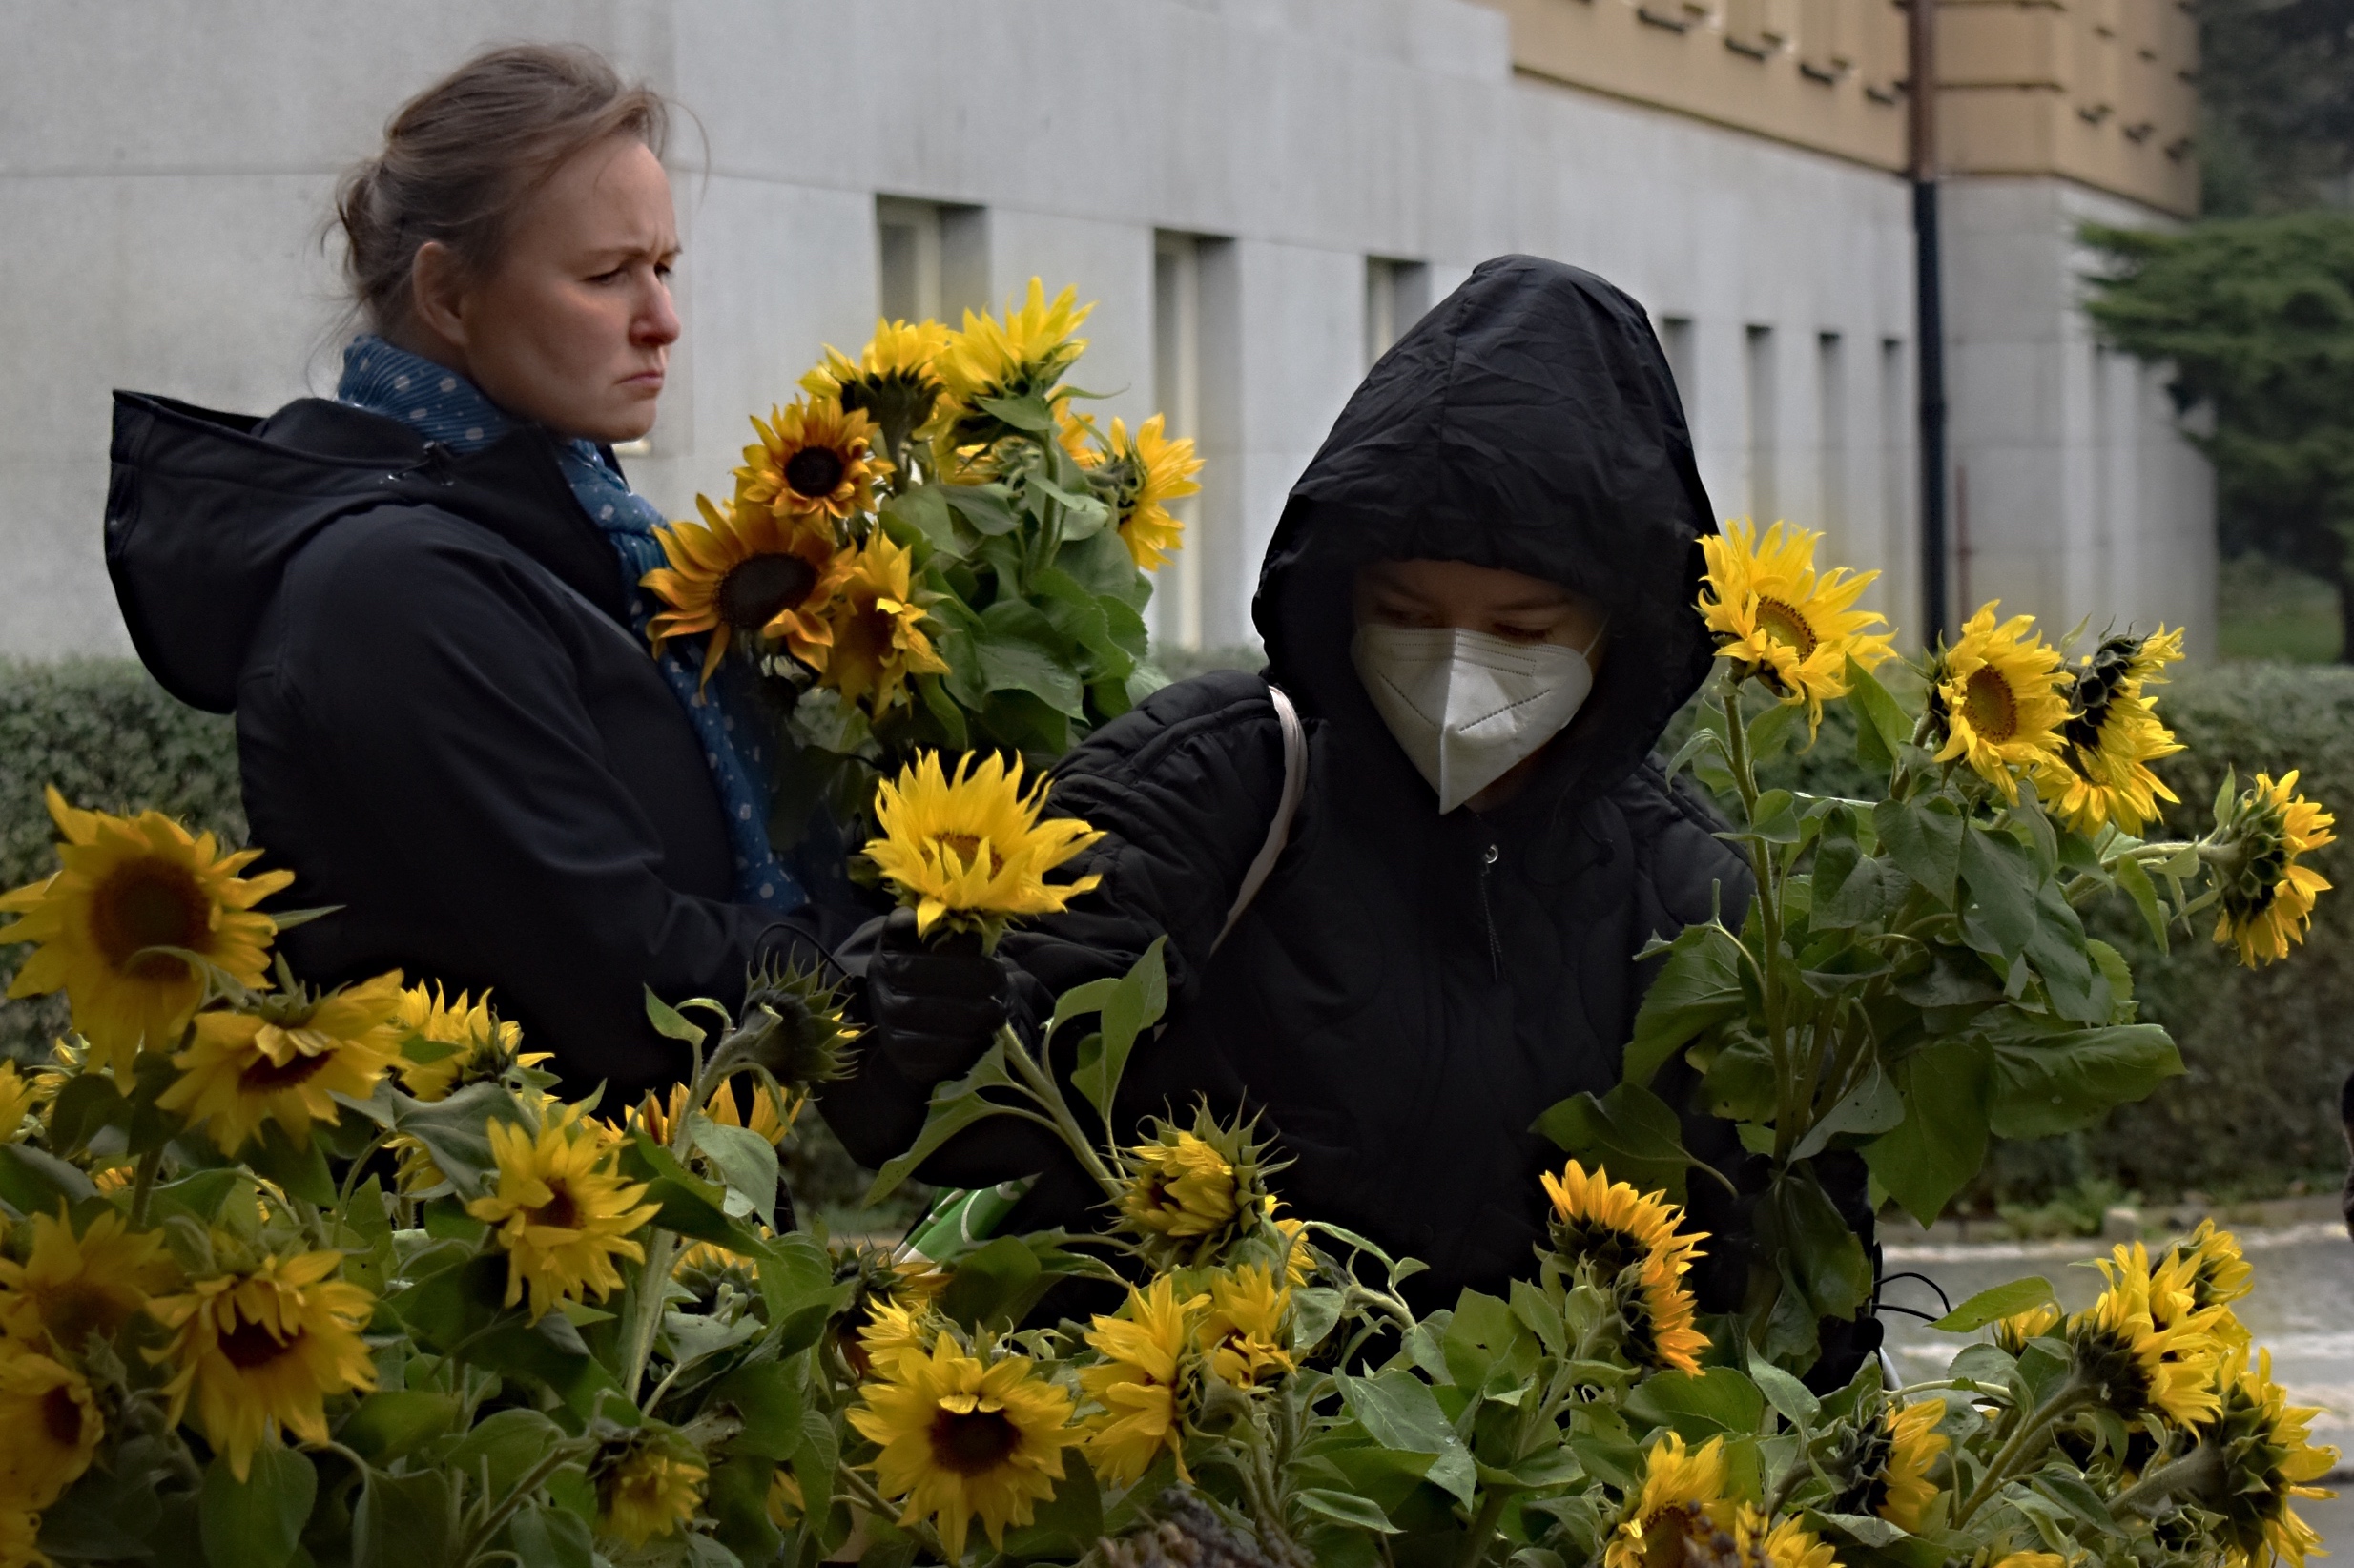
(931, 1008)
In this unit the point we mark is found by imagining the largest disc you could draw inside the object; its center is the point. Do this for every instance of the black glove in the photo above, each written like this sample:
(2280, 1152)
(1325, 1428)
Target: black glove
(932, 1009)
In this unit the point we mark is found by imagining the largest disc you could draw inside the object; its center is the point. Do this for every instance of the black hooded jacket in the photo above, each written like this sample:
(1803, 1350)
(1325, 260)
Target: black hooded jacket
(445, 723)
(1409, 991)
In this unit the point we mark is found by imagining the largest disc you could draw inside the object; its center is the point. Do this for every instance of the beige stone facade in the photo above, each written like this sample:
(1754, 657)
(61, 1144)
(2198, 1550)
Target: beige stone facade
(2098, 91)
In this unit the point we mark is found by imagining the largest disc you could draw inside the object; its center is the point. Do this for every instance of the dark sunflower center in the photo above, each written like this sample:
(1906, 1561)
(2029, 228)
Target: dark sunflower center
(973, 1444)
(251, 1345)
(1610, 1249)
(968, 848)
(149, 902)
(757, 590)
(560, 1210)
(75, 1312)
(1990, 706)
(267, 1077)
(815, 471)
(2097, 687)
(1786, 625)
(61, 1416)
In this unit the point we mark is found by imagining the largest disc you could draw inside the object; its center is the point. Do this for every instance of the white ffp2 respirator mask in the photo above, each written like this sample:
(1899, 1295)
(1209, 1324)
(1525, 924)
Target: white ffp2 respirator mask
(1465, 705)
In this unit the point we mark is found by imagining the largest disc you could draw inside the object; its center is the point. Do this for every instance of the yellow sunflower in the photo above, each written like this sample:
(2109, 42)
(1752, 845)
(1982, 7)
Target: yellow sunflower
(1180, 1187)
(1139, 1382)
(1612, 1226)
(892, 1328)
(893, 380)
(464, 1043)
(785, 1506)
(741, 573)
(71, 1287)
(2269, 1459)
(968, 847)
(1680, 1488)
(1897, 1451)
(20, 1096)
(2014, 1332)
(264, 1350)
(52, 1423)
(20, 1536)
(2102, 773)
(1145, 472)
(561, 1212)
(2139, 1367)
(1784, 1544)
(1778, 622)
(812, 465)
(772, 1116)
(1998, 693)
(2030, 1560)
(1299, 1263)
(964, 1437)
(875, 639)
(1658, 1315)
(2267, 892)
(1243, 1331)
(284, 1062)
(1023, 356)
(2220, 1273)
(125, 887)
(647, 1494)
(1076, 434)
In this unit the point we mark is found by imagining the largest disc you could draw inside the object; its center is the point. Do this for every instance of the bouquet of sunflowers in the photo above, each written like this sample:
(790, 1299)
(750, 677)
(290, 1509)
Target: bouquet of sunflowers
(1913, 974)
(931, 547)
(291, 1277)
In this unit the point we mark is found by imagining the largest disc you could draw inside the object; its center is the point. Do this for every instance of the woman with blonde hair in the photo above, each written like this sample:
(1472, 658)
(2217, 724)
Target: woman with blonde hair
(420, 598)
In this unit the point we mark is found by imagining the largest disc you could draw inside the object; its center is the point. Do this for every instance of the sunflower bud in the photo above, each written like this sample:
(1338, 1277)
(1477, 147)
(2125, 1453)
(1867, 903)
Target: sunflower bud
(2255, 857)
(1192, 1194)
(793, 1028)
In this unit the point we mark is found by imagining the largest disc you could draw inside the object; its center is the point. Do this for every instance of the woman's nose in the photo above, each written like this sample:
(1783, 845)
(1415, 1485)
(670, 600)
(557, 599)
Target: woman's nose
(656, 321)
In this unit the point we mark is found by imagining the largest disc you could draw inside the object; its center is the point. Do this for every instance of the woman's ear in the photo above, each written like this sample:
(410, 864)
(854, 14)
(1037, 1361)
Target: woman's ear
(437, 296)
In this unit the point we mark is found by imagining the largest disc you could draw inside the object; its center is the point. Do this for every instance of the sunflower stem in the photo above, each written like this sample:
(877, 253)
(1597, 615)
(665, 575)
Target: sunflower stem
(1040, 1086)
(1482, 1528)
(2023, 1443)
(479, 1539)
(143, 1186)
(646, 1310)
(1742, 768)
(2198, 1469)
(861, 1489)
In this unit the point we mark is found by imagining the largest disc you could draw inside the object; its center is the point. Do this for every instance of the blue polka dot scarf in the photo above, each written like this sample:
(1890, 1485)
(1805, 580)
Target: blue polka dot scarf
(440, 405)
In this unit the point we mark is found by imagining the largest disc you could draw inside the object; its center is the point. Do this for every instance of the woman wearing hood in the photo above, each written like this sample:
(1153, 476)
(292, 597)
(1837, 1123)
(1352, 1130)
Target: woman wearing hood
(422, 599)
(1479, 600)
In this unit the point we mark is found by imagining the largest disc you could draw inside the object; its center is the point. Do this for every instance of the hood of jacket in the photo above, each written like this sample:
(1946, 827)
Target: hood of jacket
(204, 511)
(1528, 422)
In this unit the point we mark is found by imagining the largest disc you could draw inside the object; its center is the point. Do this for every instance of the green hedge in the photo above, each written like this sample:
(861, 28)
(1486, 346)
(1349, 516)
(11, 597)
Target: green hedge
(110, 738)
(2265, 1050)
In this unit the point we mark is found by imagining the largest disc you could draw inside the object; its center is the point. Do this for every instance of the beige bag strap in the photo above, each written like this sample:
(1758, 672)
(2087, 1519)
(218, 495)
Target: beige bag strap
(1287, 807)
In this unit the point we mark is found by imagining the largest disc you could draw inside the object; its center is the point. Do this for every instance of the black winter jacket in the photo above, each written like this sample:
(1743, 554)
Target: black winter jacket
(445, 723)
(1410, 991)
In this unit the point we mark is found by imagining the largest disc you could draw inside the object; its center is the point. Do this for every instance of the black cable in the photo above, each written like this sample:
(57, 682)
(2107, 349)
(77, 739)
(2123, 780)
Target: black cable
(1885, 1280)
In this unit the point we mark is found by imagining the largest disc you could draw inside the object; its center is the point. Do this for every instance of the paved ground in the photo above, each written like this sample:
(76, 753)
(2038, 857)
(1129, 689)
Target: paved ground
(2301, 1309)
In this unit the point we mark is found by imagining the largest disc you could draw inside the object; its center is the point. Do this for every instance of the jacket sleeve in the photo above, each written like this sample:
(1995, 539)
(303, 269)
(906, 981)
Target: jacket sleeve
(465, 805)
(1183, 790)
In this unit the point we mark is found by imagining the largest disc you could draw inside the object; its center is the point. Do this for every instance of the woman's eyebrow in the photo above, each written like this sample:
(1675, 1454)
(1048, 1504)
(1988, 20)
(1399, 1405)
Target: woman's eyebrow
(1541, 601)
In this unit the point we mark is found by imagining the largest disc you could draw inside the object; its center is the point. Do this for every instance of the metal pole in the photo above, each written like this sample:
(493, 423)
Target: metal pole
(1928, 337)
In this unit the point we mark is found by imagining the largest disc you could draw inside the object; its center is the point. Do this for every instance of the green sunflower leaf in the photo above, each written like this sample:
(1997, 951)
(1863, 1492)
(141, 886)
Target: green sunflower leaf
(2005, 1300)
(255, 1522)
